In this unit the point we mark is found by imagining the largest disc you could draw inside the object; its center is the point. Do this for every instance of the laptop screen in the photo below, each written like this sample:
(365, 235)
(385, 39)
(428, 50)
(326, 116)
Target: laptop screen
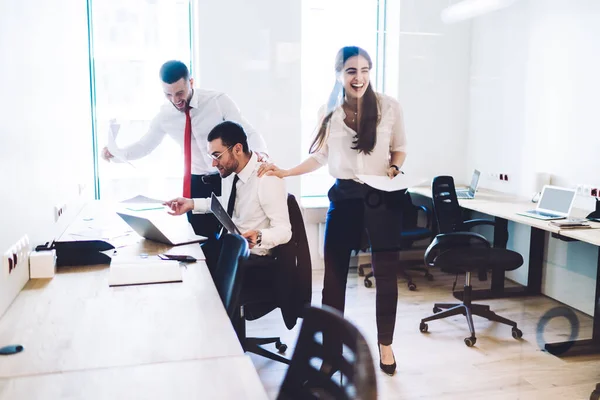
(557, 199)
(217, 209)
(474, 181)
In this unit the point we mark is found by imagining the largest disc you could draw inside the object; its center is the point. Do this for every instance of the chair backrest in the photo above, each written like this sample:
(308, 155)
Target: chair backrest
(304, 379)
(228, 275)
(447, 211)
(295, 255)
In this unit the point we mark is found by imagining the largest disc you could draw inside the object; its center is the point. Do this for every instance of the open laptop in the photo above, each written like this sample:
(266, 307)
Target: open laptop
(217, 209)
(469, 193)
(555, 203)
(148, 229)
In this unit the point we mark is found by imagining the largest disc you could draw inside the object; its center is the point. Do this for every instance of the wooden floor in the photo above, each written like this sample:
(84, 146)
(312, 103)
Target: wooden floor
(438, 365)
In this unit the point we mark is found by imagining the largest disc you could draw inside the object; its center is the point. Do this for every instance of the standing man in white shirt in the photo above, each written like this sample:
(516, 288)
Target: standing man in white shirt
(257, 205)
(192, 114)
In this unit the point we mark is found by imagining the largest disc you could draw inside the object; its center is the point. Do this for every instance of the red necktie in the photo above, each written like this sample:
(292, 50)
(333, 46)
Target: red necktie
(187, 155)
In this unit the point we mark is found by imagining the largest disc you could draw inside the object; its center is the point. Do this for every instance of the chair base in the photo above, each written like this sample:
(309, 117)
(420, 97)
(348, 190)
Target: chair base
(404, 271)
(468, 310)
(254, 345)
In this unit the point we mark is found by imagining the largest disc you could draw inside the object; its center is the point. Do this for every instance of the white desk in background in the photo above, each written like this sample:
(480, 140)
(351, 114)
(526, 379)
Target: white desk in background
(86, 340)
(504, 208)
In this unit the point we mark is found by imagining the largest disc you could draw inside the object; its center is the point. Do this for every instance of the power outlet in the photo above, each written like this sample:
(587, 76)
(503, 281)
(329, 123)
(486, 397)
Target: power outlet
(587, 190)
(59, 211)
(498, 176)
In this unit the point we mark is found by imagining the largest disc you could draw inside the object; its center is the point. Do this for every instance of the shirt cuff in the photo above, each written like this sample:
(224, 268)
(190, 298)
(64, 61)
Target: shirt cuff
(201, 206)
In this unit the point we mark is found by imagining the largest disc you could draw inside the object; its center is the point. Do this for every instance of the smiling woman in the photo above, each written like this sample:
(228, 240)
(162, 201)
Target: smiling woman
(370, 140)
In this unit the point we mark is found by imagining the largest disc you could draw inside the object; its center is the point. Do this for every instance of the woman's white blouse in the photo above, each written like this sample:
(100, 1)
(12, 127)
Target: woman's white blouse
(345, 163)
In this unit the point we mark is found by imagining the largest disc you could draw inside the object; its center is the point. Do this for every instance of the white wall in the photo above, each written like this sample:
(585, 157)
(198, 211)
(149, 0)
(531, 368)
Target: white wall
(45, 123)
(534, 78)
(433, 81)
(251, 51)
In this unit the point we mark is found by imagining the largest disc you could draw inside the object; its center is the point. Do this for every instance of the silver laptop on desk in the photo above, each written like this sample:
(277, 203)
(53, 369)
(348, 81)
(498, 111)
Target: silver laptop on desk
(555, 203)
(469, 193)
(147, 229)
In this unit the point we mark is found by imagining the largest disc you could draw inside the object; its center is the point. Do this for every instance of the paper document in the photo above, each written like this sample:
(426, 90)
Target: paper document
(111, 144)
(399, 182)
(143, 203)
(139, 199)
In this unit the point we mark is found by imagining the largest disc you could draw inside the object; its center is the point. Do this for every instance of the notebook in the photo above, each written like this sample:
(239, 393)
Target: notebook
(137, 273)
(469, 193)
(555, 203)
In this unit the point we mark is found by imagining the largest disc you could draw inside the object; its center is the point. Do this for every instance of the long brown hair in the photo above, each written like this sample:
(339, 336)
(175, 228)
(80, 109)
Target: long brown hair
(366, 135)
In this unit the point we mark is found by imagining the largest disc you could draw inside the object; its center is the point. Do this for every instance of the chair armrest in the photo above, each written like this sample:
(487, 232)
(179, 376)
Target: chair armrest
(453, 240)
(468, 225)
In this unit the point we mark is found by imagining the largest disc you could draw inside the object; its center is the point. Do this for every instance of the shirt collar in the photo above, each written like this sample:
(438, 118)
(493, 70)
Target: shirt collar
(246, 173)
(194, 101)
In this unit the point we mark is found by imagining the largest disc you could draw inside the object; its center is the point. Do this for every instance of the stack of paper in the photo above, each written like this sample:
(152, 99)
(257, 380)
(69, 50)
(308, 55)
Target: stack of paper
(399, 182)
(571, 223)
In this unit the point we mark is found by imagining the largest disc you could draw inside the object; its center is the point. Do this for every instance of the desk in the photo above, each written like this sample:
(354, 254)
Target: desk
(589, 346)
(149, 341)
(504, 208)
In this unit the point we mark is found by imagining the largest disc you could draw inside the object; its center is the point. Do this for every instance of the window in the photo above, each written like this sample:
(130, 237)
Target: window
(130, 41)
(328, 25)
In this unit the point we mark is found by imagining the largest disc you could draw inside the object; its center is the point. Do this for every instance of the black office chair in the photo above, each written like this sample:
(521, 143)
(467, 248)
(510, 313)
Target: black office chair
(305, 380)
(411, 232)
(290, 292)
(456, 250)
(228, 274)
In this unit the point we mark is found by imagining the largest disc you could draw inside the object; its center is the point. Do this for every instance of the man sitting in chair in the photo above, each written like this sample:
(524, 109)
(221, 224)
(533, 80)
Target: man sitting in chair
(257, 206)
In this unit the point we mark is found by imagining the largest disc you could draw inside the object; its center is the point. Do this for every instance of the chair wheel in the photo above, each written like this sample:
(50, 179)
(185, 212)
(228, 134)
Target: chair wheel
(281, 349)
(517, 333)
(470, 341)
(429, 277)
(423, 327)
(436, 310)
(368, 283)
(361, 271)
(411, 286)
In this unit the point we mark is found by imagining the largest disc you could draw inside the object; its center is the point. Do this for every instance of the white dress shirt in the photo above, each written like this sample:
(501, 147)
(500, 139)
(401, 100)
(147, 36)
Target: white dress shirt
(346, 163)
(208, 109)
(260, 204)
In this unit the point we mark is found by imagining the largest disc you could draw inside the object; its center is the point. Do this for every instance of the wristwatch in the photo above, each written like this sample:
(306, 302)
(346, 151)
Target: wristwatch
(397, 169)
(258, 238)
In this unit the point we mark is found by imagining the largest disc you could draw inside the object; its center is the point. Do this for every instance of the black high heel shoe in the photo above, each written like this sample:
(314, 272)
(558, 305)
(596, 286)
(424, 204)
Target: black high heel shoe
(389, 369)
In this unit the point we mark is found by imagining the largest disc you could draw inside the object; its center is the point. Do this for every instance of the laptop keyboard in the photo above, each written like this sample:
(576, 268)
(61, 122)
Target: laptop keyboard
(544, 214)
(464, 195)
